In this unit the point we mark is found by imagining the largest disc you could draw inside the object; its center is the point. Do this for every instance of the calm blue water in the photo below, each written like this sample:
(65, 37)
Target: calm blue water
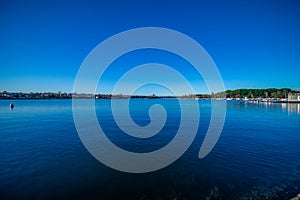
(256, 157)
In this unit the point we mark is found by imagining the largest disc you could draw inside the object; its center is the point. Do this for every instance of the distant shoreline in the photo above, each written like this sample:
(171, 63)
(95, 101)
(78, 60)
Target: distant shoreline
(263, 100)
(274, 95)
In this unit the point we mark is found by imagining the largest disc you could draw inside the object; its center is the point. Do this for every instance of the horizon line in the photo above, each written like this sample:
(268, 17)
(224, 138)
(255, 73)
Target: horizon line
(72, 92)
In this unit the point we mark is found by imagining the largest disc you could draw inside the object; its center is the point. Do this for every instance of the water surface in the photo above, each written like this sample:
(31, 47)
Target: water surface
(256, 157)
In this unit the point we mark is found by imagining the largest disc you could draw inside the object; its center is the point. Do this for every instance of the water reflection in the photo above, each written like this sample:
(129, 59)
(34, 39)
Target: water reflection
(283, 106)
(294, 108)
(291, 108)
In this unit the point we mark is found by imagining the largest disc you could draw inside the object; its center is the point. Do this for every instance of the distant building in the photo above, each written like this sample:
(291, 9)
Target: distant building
(294, 97)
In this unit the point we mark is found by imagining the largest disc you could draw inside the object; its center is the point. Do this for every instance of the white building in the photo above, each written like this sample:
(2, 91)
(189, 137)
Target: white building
(294, 97)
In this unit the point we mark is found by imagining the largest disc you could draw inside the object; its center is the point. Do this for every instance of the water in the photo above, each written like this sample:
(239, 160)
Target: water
(256, 157)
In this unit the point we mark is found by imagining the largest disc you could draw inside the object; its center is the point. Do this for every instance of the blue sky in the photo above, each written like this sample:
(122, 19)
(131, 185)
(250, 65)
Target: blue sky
(255, 44)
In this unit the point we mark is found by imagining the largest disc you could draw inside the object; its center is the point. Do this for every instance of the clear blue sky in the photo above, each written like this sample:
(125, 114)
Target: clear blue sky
(255, 44)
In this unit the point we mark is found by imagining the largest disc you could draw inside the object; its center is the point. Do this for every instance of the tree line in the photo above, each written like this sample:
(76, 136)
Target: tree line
(258, 93)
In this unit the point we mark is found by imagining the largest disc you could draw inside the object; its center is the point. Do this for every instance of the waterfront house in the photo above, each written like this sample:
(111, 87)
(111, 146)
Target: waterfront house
(293, 97)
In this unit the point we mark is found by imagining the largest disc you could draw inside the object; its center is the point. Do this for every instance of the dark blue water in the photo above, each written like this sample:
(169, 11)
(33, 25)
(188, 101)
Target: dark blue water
(256, 157)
